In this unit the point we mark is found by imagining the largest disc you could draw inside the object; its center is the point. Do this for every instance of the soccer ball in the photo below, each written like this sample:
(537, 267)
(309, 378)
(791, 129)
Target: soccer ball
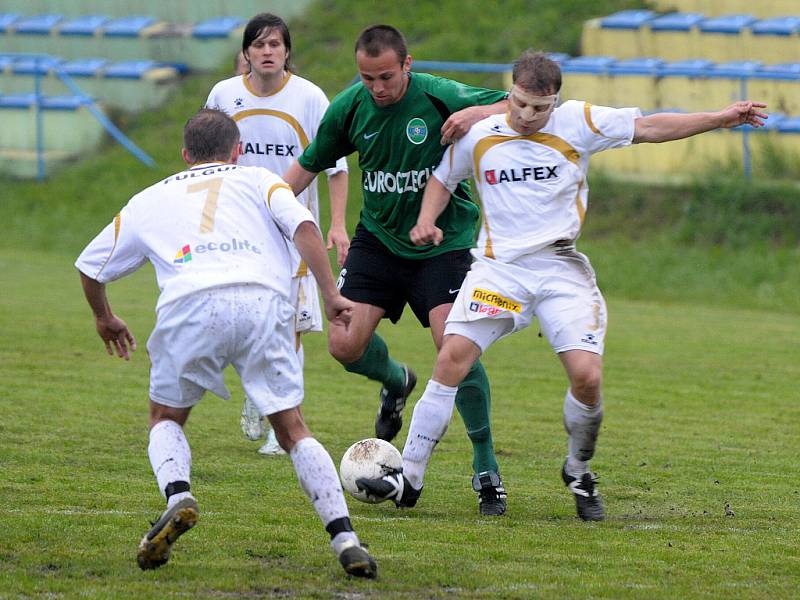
(371, 458)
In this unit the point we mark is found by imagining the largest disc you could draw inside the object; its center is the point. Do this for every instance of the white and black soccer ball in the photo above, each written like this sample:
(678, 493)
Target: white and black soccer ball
(370, 459)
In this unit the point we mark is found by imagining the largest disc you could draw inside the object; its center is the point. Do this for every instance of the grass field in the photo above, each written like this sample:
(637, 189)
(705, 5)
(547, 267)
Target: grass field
(701, 412)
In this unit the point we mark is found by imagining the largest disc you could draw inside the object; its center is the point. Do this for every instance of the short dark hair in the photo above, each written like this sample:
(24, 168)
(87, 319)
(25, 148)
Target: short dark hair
(377, 38)
(210, 135)
(535, 72)
(267, 22)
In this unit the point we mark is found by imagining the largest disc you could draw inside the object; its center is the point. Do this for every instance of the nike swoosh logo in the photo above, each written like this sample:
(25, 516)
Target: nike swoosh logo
(454, 291)
(369, 136)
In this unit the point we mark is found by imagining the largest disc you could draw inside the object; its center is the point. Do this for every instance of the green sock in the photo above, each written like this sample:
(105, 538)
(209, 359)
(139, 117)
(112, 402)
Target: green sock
(376, 364)
(473, 401)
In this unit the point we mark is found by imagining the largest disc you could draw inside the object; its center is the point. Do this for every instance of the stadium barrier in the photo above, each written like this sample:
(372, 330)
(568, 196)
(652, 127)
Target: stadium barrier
(63, 127)
(692, 35)
(131, 86)
(760, 8)
(200, 46)
(179, 11)
(655, 82)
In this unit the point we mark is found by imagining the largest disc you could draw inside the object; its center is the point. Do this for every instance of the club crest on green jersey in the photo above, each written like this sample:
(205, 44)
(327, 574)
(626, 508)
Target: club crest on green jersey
(417, 130)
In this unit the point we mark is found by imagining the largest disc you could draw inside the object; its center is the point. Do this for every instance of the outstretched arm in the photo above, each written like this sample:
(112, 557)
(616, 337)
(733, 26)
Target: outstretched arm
(458, 124)
(664, 127)
(298, 178)
(308, 240)
(337, 234)
(111, 329)
(434, 201)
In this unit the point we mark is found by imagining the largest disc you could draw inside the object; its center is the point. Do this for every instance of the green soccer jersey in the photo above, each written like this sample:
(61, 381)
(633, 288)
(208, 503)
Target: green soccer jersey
(398, 148)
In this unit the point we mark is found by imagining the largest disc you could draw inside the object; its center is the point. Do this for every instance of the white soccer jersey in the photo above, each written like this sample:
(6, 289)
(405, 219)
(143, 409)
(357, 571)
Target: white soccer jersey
(275, 129)
(533, 188)
(211, 225)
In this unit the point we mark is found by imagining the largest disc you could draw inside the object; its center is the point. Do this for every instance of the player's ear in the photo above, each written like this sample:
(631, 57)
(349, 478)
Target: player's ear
(185, 155)
(407, 64)
(237, 149)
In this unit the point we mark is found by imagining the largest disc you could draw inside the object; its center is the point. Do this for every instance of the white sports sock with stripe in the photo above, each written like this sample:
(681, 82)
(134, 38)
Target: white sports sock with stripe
(429, 422)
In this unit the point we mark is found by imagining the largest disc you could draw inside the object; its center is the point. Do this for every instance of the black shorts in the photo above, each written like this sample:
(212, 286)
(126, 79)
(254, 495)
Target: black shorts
(373, 275)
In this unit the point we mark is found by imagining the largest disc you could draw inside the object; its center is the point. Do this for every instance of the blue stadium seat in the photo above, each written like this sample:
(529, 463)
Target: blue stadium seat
(627, 19)
(695, 67)
(86, 67)
(732, 24)
(17, 101)
(587, 64)
(131, 69)
(83, 26)
(127, 26)
(33, 66)
(784, 26)
(7, 20)
(217, 28)
(38, 24)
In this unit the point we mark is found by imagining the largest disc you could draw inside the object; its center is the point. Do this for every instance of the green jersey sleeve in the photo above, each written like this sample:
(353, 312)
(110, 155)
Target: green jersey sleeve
(332, 140)
(457, 96)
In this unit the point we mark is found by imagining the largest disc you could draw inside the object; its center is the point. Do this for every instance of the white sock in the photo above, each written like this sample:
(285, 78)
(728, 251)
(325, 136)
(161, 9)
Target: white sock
(582, 423)
(429, 422)
(319, 479)
(343, 540)
(170, 455)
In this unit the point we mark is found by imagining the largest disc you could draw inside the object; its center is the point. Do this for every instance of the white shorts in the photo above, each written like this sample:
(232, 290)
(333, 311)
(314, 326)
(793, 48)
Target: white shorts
(557, 286)
(248, 326)
(305, 298)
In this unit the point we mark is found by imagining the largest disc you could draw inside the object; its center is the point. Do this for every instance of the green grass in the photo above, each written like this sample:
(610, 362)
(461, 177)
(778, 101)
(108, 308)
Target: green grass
(701, 369)
(701, 412)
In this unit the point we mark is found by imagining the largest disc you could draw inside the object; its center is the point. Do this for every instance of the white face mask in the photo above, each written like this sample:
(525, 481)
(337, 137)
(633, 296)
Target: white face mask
(530, 107)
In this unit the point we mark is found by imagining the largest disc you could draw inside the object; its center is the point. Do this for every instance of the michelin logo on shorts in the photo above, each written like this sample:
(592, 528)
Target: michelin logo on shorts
(491, 303)
(184, 255)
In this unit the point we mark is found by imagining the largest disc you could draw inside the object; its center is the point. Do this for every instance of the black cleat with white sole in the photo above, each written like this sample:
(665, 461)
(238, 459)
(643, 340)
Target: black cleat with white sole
(588, 502)
(357, 562)
(155, 546)
(491, 493)
(393, 486)
(389, 420)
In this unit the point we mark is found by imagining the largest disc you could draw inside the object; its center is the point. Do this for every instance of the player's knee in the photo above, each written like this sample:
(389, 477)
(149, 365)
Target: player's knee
(587, 386)
(455, 361)
(343, 351)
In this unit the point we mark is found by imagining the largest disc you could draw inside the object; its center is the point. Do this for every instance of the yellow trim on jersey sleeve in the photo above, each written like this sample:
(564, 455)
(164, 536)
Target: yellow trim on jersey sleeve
(587, 114)
(265, 112)
(277, 186)
(246, 81)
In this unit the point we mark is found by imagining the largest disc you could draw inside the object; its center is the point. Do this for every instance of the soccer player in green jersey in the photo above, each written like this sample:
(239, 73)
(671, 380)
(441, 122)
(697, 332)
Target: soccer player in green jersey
(399, 123)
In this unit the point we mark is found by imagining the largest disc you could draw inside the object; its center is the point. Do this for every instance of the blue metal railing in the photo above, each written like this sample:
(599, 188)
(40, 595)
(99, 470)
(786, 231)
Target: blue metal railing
(42, 63)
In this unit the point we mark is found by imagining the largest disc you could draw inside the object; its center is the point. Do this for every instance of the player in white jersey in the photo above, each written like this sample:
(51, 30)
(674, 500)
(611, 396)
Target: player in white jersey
(278, 114)
(218, 236)
(530, 167)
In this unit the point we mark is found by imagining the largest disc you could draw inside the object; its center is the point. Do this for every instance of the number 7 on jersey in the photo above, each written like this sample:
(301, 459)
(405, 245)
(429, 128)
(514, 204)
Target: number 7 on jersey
(211, 187)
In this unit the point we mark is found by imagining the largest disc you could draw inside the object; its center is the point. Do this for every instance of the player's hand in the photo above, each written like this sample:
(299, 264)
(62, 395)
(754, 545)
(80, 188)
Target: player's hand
(339, 309)
(337, 236)
(458, 124)
(426, 233)
(744, 112)
(116, 336)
